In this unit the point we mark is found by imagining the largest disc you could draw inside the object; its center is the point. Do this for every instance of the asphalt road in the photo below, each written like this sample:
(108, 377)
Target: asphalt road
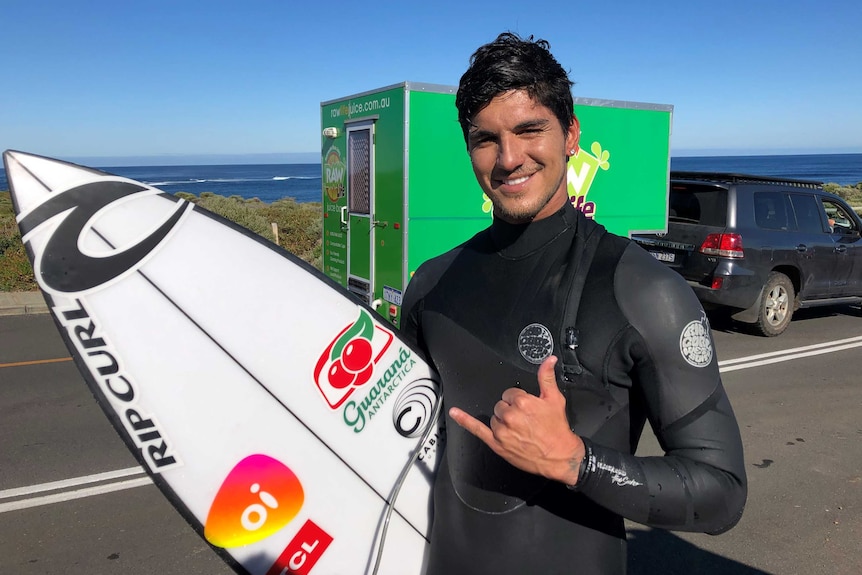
(73, 500)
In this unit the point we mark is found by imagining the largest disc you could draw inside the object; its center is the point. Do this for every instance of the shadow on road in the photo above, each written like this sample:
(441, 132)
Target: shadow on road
(654, 551)
(720, 320)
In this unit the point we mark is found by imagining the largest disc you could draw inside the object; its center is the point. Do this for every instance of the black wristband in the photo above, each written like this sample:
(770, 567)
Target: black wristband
(587, 464)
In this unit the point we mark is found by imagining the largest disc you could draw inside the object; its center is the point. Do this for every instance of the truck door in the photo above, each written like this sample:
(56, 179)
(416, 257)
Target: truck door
(360, 199)
(845, 232)
(817, 258)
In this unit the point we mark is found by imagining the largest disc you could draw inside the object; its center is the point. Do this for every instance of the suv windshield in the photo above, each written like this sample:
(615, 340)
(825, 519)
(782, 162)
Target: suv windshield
(698, 204)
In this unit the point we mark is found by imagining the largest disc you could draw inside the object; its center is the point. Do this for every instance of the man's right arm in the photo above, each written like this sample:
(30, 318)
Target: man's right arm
(422, 282)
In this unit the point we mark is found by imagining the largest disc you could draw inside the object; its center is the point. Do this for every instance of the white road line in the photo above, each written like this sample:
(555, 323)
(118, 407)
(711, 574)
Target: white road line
(790, 351)
(70, 495)
(65, 483)
(788, 354)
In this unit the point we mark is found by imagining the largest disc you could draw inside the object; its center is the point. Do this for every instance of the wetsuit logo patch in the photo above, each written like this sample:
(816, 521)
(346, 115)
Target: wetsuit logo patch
(535, 343)
(695, 343)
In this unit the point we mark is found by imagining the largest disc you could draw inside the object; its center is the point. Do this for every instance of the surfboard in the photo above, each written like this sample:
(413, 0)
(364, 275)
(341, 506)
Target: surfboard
(292, 428)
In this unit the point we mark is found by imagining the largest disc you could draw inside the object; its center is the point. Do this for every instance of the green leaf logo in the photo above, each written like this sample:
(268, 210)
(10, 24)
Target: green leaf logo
(601, 155)
(362, 327)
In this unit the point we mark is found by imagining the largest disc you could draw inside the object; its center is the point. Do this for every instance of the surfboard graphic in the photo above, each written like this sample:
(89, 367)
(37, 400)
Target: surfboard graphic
(292, 429)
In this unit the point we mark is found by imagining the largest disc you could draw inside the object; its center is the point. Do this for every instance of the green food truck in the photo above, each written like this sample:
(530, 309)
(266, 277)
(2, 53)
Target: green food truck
(398, 188)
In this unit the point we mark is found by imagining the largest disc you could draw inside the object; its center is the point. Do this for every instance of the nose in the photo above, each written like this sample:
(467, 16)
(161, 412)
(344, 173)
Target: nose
(510, 154)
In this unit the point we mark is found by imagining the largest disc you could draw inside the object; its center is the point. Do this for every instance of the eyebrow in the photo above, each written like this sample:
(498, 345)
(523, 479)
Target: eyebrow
(525, 125)
(537, 123)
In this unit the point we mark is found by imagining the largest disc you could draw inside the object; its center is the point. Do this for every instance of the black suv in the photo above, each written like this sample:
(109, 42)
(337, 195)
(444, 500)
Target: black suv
(760, 247)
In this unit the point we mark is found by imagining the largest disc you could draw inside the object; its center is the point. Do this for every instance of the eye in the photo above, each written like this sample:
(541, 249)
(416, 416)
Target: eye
(481, 142)
(531, 133)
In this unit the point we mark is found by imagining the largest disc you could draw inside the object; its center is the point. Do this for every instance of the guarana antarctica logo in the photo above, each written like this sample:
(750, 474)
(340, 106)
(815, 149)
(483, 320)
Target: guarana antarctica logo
(535, 343)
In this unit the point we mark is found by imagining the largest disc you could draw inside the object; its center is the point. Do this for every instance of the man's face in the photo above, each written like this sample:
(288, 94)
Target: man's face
(518, 150)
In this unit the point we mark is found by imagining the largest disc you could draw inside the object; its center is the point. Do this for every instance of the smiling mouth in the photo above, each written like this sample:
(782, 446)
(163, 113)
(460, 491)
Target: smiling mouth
(513, 182)
(516, 181)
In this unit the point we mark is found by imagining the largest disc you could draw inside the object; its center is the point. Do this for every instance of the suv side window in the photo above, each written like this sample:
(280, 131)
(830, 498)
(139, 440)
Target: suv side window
(808, 213)
(840, 222)
(771, 211)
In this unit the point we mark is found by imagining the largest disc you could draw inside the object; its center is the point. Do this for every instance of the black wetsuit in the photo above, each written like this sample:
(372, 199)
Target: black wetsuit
(487, 313)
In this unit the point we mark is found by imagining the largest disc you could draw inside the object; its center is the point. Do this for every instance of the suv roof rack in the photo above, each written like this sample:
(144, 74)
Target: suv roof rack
(730, 178)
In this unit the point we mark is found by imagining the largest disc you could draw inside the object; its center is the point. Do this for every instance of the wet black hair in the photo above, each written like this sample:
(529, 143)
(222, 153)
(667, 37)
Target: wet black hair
(513, 63)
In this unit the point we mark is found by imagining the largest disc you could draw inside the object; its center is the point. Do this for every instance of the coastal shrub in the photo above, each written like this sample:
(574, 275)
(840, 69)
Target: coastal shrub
(300, 228)
(16, 274)
(852, 194)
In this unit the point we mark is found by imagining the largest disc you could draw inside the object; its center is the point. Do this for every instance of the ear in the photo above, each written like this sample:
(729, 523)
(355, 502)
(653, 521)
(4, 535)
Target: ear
(573, 136)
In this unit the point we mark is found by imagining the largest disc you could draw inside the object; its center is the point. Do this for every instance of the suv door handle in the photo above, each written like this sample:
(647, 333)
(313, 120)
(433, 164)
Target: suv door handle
(801, 248)
(841, 249)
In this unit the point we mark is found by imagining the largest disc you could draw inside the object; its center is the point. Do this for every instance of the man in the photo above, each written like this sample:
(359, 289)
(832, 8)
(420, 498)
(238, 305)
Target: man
(538, 476)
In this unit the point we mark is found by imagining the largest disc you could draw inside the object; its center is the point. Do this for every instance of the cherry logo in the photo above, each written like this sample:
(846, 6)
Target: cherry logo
(349, 360)
(259, 496)
(353, 366)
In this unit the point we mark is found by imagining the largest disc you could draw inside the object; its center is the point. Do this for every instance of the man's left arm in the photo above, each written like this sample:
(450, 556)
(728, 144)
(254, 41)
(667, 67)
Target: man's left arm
(699, 484)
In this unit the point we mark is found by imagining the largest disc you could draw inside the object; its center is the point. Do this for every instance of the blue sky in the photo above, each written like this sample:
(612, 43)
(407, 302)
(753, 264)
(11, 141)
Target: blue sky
(177, 78)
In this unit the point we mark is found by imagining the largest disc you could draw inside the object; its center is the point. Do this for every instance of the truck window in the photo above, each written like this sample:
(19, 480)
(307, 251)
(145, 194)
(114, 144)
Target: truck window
(808, 213)
(704, 205)
(359, 171)
(771, 211)
(839, 220)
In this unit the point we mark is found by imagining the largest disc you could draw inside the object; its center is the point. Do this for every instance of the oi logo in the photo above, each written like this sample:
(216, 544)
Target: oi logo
(348, 362)
(259, 497)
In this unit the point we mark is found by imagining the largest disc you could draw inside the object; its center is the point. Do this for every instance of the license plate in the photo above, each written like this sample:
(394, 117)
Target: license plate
(392, 295)
(664, 256)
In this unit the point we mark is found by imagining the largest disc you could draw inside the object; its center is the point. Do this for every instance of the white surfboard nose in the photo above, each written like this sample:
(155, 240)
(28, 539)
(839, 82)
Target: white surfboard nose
(32, 177)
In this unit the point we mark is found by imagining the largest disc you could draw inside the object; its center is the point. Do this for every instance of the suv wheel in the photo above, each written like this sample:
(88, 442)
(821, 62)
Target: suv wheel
(777, 301)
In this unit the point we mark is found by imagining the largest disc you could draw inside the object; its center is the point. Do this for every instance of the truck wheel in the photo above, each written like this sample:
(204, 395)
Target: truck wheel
(777, 302)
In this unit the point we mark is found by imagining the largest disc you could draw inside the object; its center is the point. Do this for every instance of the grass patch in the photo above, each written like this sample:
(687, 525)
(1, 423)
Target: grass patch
(16, 274)
(299, 225)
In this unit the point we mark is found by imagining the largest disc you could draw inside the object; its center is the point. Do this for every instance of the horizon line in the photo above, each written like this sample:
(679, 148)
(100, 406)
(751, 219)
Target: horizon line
(314, 157)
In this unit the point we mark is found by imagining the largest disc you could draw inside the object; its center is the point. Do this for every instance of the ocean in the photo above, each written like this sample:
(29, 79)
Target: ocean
(844, 169)
(270, 182)
(267, 182)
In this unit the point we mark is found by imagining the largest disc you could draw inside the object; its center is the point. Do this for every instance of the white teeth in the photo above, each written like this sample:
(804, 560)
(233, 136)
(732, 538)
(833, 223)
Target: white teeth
(517, 181)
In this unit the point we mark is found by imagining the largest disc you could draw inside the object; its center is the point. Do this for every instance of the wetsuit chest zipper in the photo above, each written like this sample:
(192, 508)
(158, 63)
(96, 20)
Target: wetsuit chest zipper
(574, 279)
